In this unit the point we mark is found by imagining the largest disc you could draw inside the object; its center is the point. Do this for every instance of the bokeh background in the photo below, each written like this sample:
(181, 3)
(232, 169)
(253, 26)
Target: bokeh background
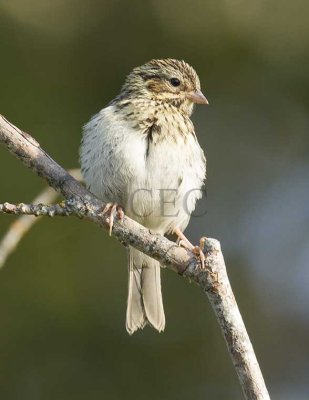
(63, 292)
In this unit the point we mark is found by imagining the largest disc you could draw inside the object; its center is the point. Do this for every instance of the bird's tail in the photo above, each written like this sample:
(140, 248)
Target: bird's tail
(145, 303)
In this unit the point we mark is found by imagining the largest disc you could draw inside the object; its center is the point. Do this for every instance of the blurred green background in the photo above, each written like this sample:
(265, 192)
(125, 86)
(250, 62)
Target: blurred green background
(63, 292)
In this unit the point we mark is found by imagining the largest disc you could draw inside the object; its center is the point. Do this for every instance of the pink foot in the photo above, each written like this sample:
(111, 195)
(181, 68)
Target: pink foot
(196, 250)
(110, 209)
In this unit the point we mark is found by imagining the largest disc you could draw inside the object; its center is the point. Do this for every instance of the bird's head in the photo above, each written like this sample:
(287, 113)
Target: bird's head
(167, 81)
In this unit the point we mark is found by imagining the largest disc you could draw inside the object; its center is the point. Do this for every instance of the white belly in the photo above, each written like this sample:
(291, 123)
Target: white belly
(163, 196)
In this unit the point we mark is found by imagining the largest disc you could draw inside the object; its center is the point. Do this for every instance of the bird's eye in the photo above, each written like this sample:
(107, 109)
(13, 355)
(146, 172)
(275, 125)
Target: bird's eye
(175, 82)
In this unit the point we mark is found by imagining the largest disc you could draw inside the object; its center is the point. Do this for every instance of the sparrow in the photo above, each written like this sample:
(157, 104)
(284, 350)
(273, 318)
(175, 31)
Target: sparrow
(140, 155)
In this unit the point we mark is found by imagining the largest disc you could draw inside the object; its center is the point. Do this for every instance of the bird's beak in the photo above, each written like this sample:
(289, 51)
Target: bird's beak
(197, 97)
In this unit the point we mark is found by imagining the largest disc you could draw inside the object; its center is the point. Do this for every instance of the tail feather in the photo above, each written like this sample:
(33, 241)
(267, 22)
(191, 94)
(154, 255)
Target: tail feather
(136, 316)
(145, 303)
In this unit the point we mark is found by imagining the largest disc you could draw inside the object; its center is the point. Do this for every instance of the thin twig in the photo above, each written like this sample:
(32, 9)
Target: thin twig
(38, 210)
(24, 223)
(213, 280)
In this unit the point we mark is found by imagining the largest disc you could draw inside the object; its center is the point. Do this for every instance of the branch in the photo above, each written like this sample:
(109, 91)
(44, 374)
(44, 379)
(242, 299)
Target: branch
(23, 224)
(213, 279)
(38, 210)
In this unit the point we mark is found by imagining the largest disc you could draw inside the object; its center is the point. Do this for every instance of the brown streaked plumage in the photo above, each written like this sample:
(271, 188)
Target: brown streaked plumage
(152, 81)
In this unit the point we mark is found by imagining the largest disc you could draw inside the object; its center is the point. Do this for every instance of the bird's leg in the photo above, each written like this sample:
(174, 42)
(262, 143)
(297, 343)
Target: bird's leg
(120, 212)
(197, 250)
(182, 240)
(110, 208)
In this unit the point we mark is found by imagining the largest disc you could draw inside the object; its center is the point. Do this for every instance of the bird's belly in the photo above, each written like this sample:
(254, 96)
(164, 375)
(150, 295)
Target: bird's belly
(163, 196)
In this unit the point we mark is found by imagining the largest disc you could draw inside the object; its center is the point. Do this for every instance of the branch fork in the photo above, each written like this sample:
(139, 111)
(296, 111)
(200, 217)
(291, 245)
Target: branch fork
(79, 202)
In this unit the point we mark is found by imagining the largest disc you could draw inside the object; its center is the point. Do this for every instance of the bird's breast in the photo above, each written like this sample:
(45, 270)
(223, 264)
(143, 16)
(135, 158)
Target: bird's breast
(156, 177)
(165, 192)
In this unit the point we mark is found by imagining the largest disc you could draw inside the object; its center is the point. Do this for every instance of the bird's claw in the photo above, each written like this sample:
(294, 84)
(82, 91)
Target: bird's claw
(196, 250)
(111, 208)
